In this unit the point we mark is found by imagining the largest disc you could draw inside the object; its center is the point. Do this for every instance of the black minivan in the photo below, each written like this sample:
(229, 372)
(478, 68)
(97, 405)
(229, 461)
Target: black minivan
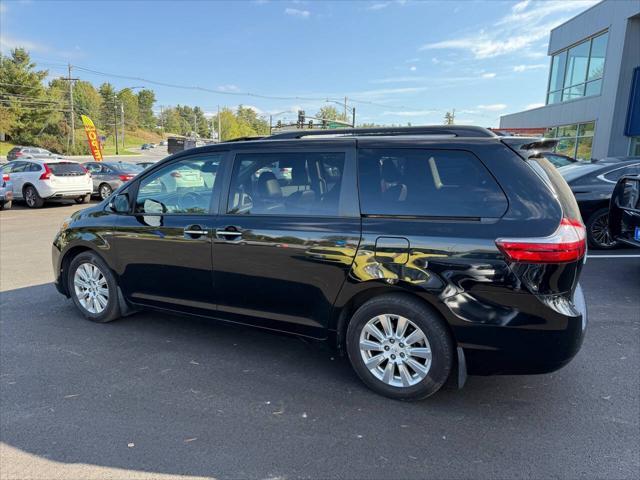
(424, 253)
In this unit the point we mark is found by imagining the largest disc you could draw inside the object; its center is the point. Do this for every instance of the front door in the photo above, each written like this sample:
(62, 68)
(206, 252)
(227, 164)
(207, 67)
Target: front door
(164, 245)
(286, 244)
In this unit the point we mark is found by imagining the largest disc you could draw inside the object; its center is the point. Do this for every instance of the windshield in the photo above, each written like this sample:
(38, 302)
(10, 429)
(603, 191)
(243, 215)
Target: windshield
(577, 170)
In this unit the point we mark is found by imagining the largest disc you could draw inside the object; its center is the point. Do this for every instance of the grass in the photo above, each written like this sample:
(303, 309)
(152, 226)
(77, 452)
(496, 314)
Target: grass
(5, 147)
(132, 140)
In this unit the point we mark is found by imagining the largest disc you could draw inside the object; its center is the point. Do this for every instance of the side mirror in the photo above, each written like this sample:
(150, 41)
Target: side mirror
(120, 203)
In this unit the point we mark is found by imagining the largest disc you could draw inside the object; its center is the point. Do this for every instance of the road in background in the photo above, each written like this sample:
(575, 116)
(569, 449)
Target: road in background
(158, 394)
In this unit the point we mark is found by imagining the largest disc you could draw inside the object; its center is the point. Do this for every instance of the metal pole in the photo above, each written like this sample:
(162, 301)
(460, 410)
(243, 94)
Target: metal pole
(73, 123)
(353, 117)
(115, 125)
(270, 123)
(219, 126)
(122, 118)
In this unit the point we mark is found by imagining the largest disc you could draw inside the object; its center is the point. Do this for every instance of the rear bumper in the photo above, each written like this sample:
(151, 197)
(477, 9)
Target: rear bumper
(538, 335)
(74, 193)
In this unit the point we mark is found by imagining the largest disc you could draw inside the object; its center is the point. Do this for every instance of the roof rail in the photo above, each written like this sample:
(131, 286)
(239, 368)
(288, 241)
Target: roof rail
(244, 139)
(454, 130)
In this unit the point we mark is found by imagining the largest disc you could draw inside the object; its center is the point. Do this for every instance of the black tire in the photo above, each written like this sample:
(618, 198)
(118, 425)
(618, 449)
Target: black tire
(104, 191)
(6, 205)
(83, 199)
(598, 234)
(32, 198)
(112, 309)
(426, 319)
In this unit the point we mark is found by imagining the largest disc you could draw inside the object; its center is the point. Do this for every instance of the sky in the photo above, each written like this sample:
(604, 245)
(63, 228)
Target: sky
(395, 61)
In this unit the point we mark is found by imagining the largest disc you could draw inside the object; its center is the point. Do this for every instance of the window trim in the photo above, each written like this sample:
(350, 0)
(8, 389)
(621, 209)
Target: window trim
(348, 203)
(132, 189)
(436, 218)
(602, 176)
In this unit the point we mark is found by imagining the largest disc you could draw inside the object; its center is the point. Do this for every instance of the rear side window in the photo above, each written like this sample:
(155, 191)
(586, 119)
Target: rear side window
(66, 169)
(616, 174)
(429, 183)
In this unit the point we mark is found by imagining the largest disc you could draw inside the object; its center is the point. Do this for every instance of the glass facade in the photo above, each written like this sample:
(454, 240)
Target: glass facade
(577, 71)
(573, 140)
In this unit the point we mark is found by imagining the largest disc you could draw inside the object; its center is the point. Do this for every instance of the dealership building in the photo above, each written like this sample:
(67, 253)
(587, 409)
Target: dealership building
(592, 104)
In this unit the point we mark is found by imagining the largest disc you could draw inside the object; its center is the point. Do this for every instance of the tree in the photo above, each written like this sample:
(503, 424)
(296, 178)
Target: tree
(146, 99)
(128, 101)
(23, 97)
(449, 117)
(329, 112)
(108, 94)
(249, 116)
(86, 101)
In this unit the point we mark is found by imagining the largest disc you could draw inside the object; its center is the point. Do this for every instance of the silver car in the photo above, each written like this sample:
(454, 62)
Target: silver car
(108, 176)
(6, 187)
(25, 153)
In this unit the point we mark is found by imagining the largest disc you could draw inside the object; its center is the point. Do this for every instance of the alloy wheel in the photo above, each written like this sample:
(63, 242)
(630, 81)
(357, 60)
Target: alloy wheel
(91, 288)
(395, 350)
(30, 197)
(600, 231)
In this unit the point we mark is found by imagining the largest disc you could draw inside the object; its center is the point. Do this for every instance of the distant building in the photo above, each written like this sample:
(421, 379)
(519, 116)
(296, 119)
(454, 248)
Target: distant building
(593, 90)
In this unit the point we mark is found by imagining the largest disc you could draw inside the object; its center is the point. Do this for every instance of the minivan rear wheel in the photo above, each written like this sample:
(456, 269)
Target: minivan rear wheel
(399, 347)
(93, 288)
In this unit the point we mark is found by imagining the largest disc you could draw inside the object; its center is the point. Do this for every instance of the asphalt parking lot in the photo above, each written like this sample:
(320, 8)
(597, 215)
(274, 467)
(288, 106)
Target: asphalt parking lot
(161, 396)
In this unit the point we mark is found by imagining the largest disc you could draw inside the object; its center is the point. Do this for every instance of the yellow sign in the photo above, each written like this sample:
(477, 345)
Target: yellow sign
(92, 136)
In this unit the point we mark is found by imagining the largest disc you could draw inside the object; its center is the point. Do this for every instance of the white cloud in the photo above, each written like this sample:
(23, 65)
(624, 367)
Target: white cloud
(410, 113)
(534, 105)
(228, 88)
(435, 60)
(413, 68)
(524, 68)
(296, 12)
(488, 75)
(494, 107)
(517, 31)
(9, 43)
(378, 6)
(520, 6)
(391, 91)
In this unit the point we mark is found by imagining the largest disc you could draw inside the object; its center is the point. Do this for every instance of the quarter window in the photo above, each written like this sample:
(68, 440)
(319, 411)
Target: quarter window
(430, 183)
(183, 187)
(286, 184)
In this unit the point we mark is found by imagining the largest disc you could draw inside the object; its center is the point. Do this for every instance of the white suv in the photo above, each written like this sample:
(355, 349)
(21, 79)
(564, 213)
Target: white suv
(35, 181)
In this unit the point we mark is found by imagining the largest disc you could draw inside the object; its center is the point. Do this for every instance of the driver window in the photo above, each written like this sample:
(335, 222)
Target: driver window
(183, 187)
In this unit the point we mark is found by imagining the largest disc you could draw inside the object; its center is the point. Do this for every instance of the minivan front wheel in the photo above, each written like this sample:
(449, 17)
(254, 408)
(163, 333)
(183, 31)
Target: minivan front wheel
(399, 347)
(93, 288)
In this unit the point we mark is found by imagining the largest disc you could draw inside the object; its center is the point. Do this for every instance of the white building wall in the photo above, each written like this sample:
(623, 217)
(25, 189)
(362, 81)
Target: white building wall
(604, 108)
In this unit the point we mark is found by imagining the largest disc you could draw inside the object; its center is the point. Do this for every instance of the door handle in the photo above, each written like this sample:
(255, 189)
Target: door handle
(195, 231)
(229, 234)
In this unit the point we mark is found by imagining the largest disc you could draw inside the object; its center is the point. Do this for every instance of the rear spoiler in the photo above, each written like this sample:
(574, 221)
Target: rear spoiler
(529, 147)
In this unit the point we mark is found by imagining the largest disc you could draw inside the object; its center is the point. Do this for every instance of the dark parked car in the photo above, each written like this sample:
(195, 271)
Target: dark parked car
(592, 184)
(624, 211)
(558, 159)
(107, 176)
(423, 253)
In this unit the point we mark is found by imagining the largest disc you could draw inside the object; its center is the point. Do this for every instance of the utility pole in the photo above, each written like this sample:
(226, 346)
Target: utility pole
(72, 138)
(353, 117)
(195, 124)
(345, 109)
(219, 126)
(115, 124)
(122, 119)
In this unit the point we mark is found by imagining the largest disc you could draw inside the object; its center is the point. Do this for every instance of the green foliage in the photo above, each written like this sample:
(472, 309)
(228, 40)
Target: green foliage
(146, 99)
(329, 112)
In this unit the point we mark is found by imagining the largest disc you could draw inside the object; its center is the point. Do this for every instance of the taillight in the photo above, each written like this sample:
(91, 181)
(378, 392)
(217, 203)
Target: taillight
(125, 178)
(18, 154)
(567, 244)
(85, 170)
(47, 173)
(5, 177)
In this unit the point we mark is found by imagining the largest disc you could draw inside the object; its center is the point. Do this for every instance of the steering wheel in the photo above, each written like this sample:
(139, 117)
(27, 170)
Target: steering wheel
(190, 200)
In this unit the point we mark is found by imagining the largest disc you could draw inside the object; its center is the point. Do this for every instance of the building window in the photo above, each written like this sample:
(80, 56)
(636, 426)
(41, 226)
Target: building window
(577, 71)
(574, 140)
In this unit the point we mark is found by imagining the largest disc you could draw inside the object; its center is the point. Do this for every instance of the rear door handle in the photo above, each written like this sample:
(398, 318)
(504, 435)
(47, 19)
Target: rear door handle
(228, 233)
(195, 231)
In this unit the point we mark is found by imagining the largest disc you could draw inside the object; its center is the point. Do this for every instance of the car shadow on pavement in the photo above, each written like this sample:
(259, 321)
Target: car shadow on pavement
(167, 394)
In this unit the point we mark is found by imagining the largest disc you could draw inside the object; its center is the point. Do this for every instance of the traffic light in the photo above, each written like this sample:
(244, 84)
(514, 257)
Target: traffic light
(310, 124)
(300, 118)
